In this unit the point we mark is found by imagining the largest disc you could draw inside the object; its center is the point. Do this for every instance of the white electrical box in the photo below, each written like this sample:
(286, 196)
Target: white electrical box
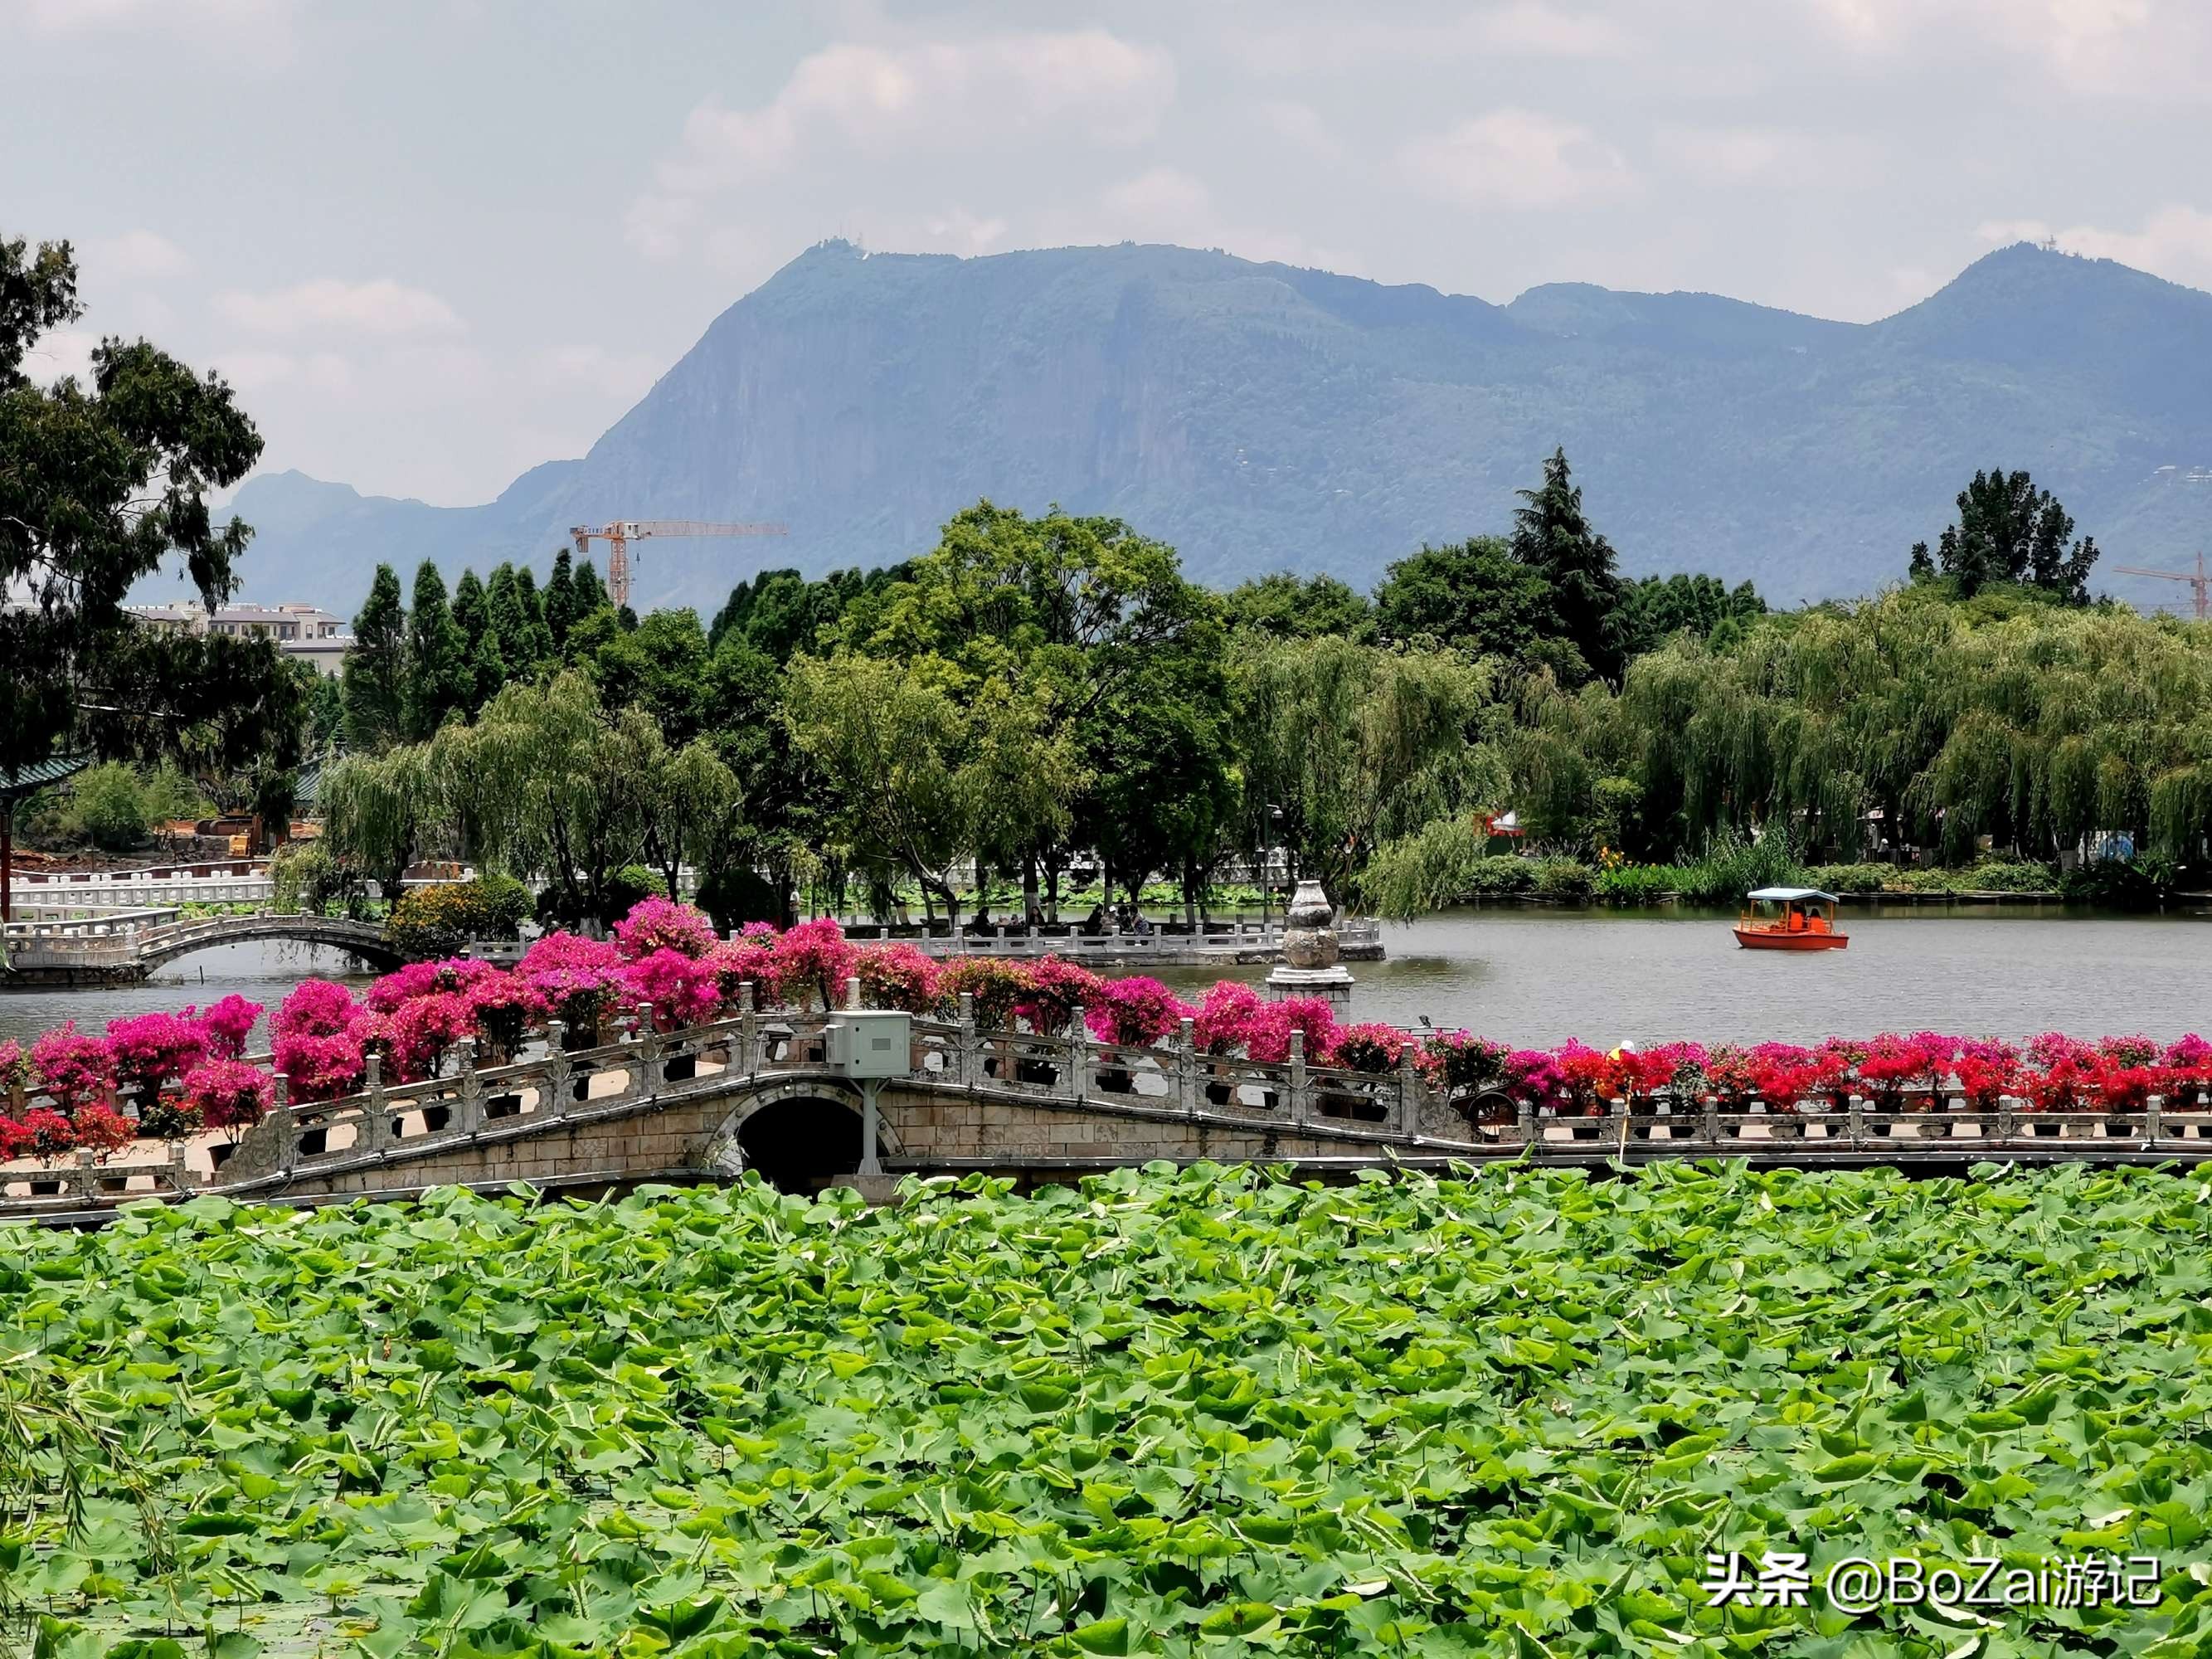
(871, 1042)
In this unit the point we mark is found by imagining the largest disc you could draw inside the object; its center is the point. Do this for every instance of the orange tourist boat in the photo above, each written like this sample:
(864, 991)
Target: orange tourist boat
(1789, 919)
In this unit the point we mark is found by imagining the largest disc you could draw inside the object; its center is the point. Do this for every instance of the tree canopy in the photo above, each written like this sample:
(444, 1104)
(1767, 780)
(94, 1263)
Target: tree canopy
(2009, 530)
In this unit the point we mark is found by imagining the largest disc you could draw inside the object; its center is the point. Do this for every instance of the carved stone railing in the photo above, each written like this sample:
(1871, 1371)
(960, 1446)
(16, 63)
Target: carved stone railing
(1346, 1114)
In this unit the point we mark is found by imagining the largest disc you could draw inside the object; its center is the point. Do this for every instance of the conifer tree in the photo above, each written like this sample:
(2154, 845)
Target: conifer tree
(472, 615)
(561, 600)
(1551, 534)
(376, 668)
(537, 635)
(439, 676)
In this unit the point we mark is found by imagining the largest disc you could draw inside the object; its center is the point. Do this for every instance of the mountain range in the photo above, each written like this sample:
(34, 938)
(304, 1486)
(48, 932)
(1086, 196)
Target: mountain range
(1263, 417)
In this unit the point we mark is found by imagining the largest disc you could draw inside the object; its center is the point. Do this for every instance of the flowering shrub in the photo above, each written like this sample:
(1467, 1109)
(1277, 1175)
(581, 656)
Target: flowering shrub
(228, 1024)
(1057, 988)
(453, 976)
(505, 1006)
(995, 983)
(814, 957)
(2064, 1074)
(1783, 1075)
(683, 989)
(101, 1130)
(575, 977)
(659, 924)
(1136, 1011)
(1587, 1078)
(423, 1028)
(148, 1052)
(1224, 1018)
(44, 1133)
(321, 1040)
(1267, 1032)
(1987, 1071)
(74, 1067)
(898, 975)
(1675, 1071)
(1894, 1067)
(1371, 1048)
(1461, 1064)
(1534, 1079)
(228, 1093)
(15, 1068)
(750, 958)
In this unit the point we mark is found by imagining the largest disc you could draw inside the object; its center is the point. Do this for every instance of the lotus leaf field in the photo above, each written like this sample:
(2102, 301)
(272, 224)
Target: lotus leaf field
(1195, 1412)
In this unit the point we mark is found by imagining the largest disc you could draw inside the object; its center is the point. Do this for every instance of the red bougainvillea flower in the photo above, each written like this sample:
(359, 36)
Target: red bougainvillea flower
(576, 977)
(684, 990)
(899, 976)
(72, 1065)
(1057, 988)
(660, 924)
(228, 1024)
(995, 984)
(1371, 1048)
(1136, 1011)
(813, 958)
(102, 1129)
(229, 1094)
(147, 1052)
(1225, 1017)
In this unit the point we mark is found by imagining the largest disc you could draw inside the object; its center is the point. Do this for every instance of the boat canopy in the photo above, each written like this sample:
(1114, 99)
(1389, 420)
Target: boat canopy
(1790, 894)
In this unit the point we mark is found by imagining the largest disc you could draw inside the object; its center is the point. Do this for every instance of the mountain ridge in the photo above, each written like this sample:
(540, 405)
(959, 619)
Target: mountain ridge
(1263, 416)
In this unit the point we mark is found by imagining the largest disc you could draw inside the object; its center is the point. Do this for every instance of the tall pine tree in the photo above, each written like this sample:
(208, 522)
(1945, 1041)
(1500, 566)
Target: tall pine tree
(561, 600)
(376, 669)
(1551, 535)
(591, 592)
(472, 615)
(537, 635)
(438, 677)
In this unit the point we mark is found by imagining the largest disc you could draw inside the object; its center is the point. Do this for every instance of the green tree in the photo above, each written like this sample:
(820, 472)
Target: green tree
(1287, 608)
(689, 798)
(1553, 536)
(487, 670)
(375, 688)
(438, 680)
(561, 611)
(506, 623)
(1355, 746)
(590, 592)
(109, 806)
(2009, 530)
(1657, 608)
(537, 648)
(383, 812)
(100, 483)
(661, 667)
(1476, 595)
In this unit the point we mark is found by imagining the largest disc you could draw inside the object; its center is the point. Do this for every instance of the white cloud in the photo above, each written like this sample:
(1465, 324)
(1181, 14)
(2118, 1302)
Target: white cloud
(657, 226)
(1746, 155)
(254, 372)
(1524, 28)
(956, 230)
(89, 16)
(137, 256)
(1547, 32)
(1513, 158)
(624, 375)
(1301, 127)
(1164, 200)
(2125, 47)
(876, 99)
(380, 306)
(60, 353)
(2175, 242)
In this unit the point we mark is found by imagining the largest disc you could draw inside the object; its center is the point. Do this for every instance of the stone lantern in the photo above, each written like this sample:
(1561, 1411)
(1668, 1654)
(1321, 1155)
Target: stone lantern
(1309, 967)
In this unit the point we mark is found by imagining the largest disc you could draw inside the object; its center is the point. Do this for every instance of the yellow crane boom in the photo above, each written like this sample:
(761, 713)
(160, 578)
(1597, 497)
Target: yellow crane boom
(619, 535)
(2200, 583)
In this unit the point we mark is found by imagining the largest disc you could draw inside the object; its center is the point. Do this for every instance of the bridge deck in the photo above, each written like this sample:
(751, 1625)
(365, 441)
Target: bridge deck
(1016, 1104)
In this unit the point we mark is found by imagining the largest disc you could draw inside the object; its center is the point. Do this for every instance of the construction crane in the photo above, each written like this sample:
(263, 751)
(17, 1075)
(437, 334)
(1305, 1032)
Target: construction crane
(2200, 584)
(618, 536)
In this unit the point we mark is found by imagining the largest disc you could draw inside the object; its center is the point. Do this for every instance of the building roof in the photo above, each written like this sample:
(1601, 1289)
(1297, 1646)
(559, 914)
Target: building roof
(14, 785)
(1786, 895)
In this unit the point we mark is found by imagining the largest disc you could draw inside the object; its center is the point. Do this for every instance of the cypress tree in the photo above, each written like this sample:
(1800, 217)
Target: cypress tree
(561, 600)
(438, 677)
(376, 669)
(506, 624)
(590, 592)
(537, 635)
(480, 651)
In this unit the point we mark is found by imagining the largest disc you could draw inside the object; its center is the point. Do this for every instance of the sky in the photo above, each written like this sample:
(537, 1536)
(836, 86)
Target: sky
(435, 242)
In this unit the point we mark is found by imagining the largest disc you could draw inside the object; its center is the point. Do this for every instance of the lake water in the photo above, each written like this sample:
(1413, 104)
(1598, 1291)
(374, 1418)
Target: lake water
(1541, 977)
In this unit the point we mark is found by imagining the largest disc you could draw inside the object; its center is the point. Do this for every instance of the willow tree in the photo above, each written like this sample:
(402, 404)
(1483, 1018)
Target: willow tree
(1353, 744)
(383, 813)
(925, 783)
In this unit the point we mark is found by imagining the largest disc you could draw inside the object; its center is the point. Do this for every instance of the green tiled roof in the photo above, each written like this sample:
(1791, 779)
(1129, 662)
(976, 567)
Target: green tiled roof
(39, 774)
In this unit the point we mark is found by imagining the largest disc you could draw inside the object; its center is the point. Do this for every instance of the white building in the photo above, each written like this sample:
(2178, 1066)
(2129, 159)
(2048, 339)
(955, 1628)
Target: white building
(300, 630)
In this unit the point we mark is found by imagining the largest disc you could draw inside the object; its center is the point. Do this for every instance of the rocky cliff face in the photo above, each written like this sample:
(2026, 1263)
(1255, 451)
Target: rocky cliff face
(1262, 418)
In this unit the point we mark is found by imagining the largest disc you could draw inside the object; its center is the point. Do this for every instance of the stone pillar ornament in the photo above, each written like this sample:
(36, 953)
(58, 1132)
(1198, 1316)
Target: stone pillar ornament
(1309, 967)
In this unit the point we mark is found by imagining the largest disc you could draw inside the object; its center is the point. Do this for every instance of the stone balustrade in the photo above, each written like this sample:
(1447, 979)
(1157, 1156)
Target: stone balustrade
(648, 1104)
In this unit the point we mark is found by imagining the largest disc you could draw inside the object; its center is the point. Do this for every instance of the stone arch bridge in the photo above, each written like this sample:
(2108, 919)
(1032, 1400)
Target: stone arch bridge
(759, 1092)
(89, 952)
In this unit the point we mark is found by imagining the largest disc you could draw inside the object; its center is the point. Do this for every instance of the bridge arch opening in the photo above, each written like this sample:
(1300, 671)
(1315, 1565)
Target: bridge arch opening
(802, 1145)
